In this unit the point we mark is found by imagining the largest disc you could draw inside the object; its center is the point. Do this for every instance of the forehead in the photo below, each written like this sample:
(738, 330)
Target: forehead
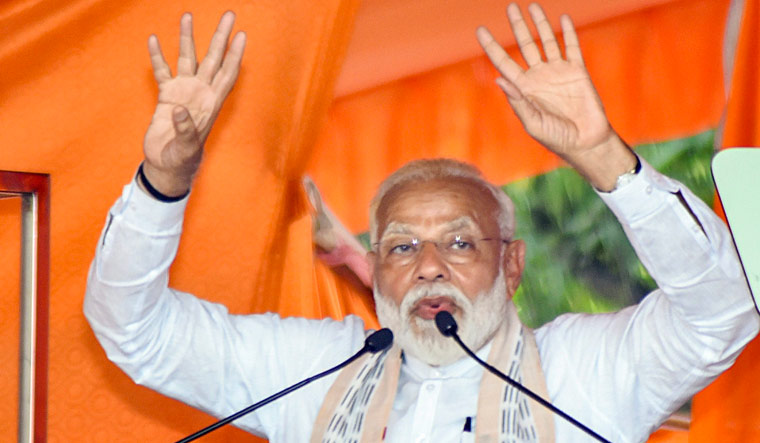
(438, 204)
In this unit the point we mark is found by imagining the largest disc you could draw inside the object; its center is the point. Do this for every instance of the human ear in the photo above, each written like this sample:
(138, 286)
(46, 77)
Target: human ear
(513, 263)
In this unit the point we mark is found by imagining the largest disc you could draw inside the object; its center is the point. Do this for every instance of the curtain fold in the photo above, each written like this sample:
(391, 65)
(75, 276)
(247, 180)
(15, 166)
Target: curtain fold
(76, 96)
(657, 70)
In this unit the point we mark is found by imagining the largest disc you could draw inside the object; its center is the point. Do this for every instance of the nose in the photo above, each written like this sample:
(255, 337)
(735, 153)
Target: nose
(430, 264)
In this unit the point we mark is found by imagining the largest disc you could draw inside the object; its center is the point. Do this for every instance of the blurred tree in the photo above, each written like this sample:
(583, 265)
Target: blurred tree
(578, 258)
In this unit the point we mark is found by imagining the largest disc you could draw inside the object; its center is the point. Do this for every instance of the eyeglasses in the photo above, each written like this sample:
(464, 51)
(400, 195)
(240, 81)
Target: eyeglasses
(454, 248)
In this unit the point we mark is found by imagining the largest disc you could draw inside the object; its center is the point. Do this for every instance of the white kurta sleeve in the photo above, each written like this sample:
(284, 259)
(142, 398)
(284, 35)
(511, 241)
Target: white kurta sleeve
(194, 350)
(622, 374)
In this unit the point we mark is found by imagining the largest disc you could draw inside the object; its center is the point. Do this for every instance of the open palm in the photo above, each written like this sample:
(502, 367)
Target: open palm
(188, 103)
(555, 99)
(560, 107)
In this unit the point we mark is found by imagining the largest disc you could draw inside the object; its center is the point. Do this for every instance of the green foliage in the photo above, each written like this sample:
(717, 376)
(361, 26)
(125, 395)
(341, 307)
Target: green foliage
(578, 258)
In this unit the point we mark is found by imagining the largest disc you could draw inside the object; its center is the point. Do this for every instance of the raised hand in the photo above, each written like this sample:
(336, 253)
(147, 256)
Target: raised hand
(336, 245)
(188, 104)
(555, 99)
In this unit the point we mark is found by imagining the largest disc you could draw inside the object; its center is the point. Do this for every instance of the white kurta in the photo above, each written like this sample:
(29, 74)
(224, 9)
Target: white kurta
(621, 374)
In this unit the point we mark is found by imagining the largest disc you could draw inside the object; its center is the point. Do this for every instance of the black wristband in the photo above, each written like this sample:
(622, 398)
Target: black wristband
(155, 193)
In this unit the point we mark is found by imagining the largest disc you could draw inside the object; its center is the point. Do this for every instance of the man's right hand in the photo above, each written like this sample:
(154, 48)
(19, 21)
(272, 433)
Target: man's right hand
(188, 104)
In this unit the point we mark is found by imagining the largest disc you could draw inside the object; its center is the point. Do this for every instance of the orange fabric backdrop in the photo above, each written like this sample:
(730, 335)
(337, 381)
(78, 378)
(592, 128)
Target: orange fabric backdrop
(658, 72)
(728, 409)
(77, 94)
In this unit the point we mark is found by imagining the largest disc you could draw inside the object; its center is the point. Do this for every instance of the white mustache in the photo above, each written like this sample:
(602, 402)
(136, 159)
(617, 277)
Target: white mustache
(414, 295)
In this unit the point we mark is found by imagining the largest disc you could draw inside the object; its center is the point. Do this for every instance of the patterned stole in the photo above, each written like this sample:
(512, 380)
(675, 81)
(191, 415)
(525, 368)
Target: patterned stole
(358, 404)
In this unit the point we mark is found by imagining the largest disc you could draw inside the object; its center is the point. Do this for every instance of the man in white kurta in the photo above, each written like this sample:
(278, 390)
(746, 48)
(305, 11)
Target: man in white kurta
(620, 374)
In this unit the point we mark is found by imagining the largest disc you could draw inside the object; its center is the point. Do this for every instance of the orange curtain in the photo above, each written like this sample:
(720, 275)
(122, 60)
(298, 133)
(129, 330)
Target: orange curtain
(657, 70)
(728, 409)
(77, 94)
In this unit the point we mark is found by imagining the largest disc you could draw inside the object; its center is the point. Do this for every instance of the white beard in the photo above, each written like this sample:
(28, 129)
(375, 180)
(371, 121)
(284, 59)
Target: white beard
(478, 320)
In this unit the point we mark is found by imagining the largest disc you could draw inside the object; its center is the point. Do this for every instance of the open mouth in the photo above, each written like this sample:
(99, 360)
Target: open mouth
(429, 306)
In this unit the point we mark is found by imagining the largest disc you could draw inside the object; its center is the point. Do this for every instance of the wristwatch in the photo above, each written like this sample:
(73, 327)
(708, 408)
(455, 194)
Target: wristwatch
(628, 176)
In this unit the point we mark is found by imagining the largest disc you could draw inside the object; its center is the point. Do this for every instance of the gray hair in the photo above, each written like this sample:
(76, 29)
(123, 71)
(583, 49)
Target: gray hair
(442, 168)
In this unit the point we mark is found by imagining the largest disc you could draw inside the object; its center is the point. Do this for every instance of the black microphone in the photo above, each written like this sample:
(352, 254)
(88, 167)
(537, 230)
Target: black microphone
(446, 324)
(376, 342)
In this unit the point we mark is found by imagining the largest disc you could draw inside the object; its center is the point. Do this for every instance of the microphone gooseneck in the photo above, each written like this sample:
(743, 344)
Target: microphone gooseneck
(376, 342)
(447, 326)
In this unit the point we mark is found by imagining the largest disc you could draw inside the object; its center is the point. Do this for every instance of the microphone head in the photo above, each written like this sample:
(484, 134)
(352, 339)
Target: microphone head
(446, 323)
(379, 340)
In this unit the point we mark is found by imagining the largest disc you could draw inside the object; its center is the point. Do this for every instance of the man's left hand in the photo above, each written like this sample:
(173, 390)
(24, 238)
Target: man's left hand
(555, 99)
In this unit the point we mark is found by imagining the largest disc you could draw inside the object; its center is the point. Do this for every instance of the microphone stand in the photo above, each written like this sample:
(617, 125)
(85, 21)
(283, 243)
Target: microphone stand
(376, 342)
(448, 327)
